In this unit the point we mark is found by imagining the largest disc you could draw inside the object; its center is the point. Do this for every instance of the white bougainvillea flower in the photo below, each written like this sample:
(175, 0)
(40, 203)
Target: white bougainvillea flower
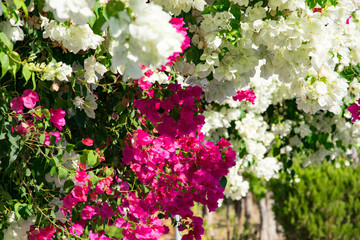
(12, 30)
(150, 39)
(176, 6)
(73, 38)
(59, 71)
(79, 11)
(89, 105)
(92, 68)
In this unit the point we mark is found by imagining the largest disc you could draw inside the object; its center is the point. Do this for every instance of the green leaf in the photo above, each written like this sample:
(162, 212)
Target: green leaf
(15, 62)
(112, 9)
(223, 181)
(53, 171)
(42, 138)
(4, 60)
(16, 210)
(89, 156)
(26, 72)
(33, 80)
(4, 39)
(92, 158)
(5, 195)
(18, 3)
(63, 173)
(68, 186)
(46, 113)
(70, 147)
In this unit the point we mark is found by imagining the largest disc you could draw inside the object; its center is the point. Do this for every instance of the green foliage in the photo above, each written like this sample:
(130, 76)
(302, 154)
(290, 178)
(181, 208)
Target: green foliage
(324, 204)
(322, 3)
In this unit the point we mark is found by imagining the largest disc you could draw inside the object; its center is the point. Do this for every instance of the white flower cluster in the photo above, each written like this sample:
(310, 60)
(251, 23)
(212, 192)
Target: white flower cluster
(176, 6)
(12, 29)
(73, 38)
(282, 129)
(148, 39)
(233, 68)
(281, 5)
(301, 54)
(79, 11)
(93, 69)
(254, 131)
(219, 120)
(320, 35)
(59, 71)
(267, 168)
(88, 104)
(236, 186)
(303, 47)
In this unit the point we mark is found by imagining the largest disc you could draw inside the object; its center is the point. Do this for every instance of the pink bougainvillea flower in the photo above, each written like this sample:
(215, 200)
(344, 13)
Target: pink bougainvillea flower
(88, 212)
(82, 166)
(128, 155)
(106, 211)
(57, 117)
(148, 73)
(124, 186)
(57, 135)
(248, 95)
(348, 20)
(42, 234)
(77, 229)
(120, 222)
(81, 176)
(80, 193)
(16, 104)
(47, 137)
(88, 142)
(223, 143)
(355, 111)
(24, 127)
(100, 187)
(317, 10)
(30, 98)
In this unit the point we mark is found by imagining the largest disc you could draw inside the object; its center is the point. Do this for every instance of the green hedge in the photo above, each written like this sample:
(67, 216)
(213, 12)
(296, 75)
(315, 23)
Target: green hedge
(325, 204)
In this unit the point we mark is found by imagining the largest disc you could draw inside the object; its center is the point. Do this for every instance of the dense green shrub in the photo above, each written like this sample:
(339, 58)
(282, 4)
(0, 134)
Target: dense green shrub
(324, 204)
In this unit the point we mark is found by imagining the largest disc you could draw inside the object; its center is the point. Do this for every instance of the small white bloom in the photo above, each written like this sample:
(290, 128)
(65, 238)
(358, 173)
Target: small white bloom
(60, 71)
(12, 31)
(92, 68)
(89, 105)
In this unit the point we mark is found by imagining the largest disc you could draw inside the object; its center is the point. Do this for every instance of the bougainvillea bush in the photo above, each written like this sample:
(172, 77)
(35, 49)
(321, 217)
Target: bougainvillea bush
(99, 137)
(115, 115)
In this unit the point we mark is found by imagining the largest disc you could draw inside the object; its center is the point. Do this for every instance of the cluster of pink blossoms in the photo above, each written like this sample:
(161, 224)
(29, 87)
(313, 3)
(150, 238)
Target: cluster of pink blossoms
(108, 201)
(173, 169)
(180, 171)
(45, 233)
(354, 109)
(178, 166)
(178, 24)
(181, 105)
(248, 95)
(29, 99)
